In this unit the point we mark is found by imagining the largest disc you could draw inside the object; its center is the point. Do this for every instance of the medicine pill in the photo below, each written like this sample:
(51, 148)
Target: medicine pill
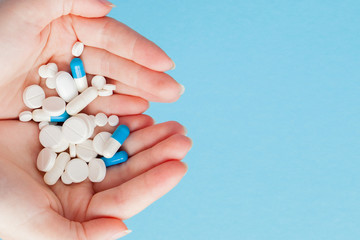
(75, 130)
(43, 124)
(46, 159)
(99, 142)
(113, 120)
(105, 93)
(51, 70)
(77, 49)
(39, 115)
(97, 170)
(33, 96)
(118, 158)
(78, 73)
(51, 82)
(25, 116)
(81, 101)
(65, 178)
(65, 86)
(54, 106)
(85, 150)
(111, 87)
(52, 176)
(43, 71)
(101, 119)
(77, 170)
(72, 150)
(98, 82)
(115, 141)
(50, 136)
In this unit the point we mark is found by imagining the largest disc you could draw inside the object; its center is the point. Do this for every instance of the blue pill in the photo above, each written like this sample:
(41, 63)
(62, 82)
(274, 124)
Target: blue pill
(79, 75)
(60, 118)
(119, 157)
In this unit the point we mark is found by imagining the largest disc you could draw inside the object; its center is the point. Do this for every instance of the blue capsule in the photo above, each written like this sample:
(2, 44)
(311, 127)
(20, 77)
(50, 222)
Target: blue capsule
(78, 73)
(60, 118)
(115, 141)
(119, 157)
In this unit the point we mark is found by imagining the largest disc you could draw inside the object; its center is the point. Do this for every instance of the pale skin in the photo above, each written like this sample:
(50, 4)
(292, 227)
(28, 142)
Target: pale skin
(34, 32)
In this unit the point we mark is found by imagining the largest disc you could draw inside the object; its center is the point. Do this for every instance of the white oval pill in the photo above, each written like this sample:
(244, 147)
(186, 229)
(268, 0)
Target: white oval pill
(77, 170)
(65, 178)
(86, 151)
(46, 159)
(51, 82)
(40, 115)
(97, 170)
(77, 49)
(43, 124)
(113, 120)
(55, 173)
(99, 141)
(72, 150)
(25, 116)
(81, 101)
(105, 93)
(75, 130)
(51, 70)
(50, 136)
(43, 71)
(101, 119)
(65, 86)
(98, 82)
(54, 106)
(33, 96)
(111, 87)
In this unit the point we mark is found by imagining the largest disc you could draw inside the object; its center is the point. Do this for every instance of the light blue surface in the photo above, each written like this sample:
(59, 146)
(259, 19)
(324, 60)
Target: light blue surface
(272, 104)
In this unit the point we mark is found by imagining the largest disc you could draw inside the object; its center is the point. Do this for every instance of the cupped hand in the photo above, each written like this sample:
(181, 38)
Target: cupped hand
(32, 210)
(35, 32)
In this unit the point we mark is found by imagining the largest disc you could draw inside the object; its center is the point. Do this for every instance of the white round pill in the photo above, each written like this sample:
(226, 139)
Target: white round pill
(97, 170)
(77, 49)
(51, 82)
(62, 146)
(33, 96)
(113, 120)
(91, 126)
(51, 70)
(111, 87)
(75, 130)
(25, 116)
(101, 119)
(65, 86)
(43, 71)
(46, 159)
(50, 136)
(99, 141)
(72, 150)
(105, 93)
(54, 106)
(43, 124)
(77, 170)
(86, 151)
(98, 82)
(65, 178)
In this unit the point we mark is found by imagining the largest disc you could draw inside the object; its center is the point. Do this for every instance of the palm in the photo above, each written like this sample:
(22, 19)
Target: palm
(145, 177)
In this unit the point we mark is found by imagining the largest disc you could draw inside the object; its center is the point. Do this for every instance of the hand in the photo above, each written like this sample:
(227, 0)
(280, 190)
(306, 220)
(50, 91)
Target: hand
(34, 32)
(32, 210)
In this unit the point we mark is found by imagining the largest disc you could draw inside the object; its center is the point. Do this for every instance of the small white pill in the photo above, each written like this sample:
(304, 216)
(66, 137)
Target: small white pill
(77, 170)
(81, 101)
(51, 70)
(55, 173)
(43, 71)
(40, 115)
(98, 82)
(51, 82)
(65, 86)
(90, 124)
(33, 96)
(65, 178)
(54, 106)
(85, 150)
(111, 87)
(62, 146)
(75, 130)
(97, 170)
(43, 124)
(101, 119)
(46, 159)
(50, 136)
(99, 142)
(77, 49)
(105, 93)
(25, 116)
(72, 150)
(113, 120)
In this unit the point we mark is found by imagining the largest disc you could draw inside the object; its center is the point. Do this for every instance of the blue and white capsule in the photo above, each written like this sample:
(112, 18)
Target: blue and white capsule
(40, 115)
(115, 141)
(78, 73)
(118, 158)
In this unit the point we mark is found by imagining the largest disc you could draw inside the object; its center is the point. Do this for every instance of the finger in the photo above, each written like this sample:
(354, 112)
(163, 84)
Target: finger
(102, 228)
(119, 39)
(117, 104)
(101, 62)
(148, 137)
(175, 148)
(39, 13)
(135, 195)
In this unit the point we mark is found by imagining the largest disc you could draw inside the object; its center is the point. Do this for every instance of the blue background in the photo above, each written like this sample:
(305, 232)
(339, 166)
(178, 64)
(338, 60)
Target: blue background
(272, 105)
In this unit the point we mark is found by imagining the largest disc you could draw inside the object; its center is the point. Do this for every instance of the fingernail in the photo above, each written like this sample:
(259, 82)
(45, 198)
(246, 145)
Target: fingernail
(121, 234)
(174, 65)
(182, 89)
(107, 3)
(185, 130)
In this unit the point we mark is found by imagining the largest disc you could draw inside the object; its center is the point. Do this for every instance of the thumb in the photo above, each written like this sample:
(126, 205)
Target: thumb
(40, 13)
(104, 228)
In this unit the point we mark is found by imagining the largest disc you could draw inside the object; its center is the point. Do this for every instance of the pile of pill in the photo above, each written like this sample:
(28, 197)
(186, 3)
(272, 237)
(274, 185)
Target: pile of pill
(70, 152)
